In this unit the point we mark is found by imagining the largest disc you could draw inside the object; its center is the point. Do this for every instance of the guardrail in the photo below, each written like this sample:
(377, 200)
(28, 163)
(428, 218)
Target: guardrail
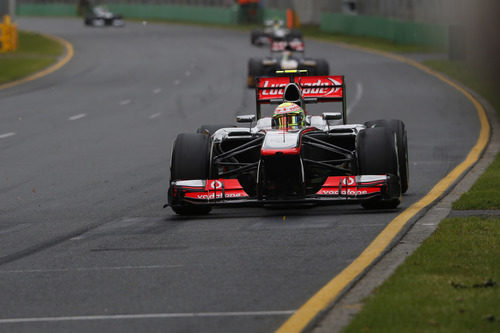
(399, 32)
(167, 11)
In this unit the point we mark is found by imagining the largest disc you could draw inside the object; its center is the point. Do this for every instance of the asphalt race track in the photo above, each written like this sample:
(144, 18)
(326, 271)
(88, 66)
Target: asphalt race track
(84, 242)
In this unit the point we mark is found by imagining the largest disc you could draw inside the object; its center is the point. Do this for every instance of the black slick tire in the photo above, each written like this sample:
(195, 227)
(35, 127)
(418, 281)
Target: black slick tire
(254, 70)
(294, 34)
(377, 155)
(322, 67)
(190, 160)
(398, 127)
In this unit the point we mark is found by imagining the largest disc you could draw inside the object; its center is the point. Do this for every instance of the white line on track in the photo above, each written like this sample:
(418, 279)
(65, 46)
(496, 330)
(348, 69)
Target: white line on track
(357, 97)
(146, 316)
(157, 91)
(187, 73)
(85, 269)
(6, 135)
(156, 115)
(77, 116)
(177, 82)
(125, 102)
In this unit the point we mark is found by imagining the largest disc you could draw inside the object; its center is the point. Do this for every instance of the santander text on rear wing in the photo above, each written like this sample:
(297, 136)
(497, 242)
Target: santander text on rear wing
(313, 89)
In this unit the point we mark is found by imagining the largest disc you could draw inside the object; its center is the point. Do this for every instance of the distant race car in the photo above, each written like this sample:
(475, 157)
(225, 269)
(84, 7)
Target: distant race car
(274, 29)
(291, 157)
(100, 16)
(285, 55)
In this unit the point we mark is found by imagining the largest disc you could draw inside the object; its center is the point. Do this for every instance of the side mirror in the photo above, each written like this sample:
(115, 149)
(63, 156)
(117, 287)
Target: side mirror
(245, 118)
(332, 116)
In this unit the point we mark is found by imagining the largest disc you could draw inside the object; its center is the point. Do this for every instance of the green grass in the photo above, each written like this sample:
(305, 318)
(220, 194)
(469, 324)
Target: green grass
(485, 193)
(36, 44)
(35, 52)
(450, 284)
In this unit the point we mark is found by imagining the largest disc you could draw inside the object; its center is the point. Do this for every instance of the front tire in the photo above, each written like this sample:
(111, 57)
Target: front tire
(190, 160)
(398, 127)
(377, 155)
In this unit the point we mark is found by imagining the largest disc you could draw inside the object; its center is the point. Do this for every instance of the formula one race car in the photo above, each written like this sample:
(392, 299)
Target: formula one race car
(291, 157)
(274, 30)
(285, 55)
(100, 16)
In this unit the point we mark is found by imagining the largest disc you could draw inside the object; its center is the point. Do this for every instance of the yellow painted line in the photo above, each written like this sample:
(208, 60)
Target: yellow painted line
(326, 295)
(51, 69)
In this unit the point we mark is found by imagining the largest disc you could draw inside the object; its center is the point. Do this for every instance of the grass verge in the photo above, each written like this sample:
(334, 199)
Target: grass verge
(485, 193)
(450, 284)
(35, 52)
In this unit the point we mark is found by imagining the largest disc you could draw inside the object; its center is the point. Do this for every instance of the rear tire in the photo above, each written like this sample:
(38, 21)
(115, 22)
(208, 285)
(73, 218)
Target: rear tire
(377, 155)
(190, 160)
(322, 67)
(294, 34)
(254, 70)
(398, 127)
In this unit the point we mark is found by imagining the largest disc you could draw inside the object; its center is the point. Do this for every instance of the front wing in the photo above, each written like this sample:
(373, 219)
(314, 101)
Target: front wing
(335, 190)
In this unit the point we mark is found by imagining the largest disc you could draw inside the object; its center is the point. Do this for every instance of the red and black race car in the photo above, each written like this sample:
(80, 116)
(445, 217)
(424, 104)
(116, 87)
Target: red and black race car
(285, 55)
(322, 160)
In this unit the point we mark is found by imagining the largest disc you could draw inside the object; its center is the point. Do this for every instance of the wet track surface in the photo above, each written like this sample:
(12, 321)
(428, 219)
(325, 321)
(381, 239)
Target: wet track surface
(84, 242)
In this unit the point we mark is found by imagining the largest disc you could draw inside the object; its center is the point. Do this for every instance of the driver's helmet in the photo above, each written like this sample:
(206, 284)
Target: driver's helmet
(288, 115)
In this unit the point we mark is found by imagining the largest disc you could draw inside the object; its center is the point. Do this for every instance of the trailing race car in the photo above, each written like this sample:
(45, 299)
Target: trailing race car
(290, 157)
(100, 16)
(285, 55)
(274, 30)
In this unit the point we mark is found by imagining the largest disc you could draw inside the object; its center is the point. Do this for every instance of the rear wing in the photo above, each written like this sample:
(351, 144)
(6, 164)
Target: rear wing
(283, 45)
(311, 89)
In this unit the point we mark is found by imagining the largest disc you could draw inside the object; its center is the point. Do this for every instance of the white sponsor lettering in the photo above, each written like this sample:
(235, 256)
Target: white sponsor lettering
(316, 90)
(218, 196)
(319, 87)
(344, 192)
(267, 92)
